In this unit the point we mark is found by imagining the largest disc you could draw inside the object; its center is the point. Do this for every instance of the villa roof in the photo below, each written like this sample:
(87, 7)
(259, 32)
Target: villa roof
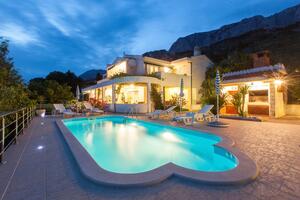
(254, 74)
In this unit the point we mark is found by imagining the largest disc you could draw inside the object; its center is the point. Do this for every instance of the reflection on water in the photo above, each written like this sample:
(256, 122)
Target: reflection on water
(136, 146)
(169, 137)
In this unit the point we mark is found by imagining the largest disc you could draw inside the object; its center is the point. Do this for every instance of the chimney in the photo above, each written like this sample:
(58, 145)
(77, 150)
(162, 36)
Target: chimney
(261, 59)
(197, 51)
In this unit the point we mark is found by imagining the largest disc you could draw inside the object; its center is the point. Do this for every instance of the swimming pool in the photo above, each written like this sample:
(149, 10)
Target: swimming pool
(129, 146)
(115, 150)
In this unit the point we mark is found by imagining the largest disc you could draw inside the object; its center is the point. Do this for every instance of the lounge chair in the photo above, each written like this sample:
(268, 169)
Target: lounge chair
(60, 109)
(91, 108)
(159, 113)
(205, 114)
(202, 115)
(188, 119)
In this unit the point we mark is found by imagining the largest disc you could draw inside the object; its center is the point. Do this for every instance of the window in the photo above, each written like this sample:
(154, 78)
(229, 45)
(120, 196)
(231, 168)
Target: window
(131, 94)
(152, 68)
(258, 96)
(118, 68)
(108, 94)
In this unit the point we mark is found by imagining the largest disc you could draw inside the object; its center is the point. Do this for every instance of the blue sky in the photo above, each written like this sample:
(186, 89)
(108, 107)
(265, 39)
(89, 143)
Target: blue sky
(47, 35)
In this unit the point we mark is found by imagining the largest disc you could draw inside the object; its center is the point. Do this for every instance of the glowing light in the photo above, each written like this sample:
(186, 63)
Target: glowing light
(258, 85)
(40, 147)
(229, 88)
(278, 82)
(167, 69)
(170, 137)
(133, 124)
(89, 138)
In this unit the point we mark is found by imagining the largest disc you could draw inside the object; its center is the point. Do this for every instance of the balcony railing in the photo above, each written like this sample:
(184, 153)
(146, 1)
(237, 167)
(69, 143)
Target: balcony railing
(12, 125)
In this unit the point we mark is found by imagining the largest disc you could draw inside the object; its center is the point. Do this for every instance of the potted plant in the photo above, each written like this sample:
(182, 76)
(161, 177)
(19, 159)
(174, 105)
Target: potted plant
(41, 112)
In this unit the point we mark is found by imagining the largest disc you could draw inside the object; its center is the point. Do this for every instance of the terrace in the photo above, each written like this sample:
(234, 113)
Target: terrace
(42, 158)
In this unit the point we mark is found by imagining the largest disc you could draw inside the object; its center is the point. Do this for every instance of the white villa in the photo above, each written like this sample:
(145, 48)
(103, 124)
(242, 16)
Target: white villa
(132, 90)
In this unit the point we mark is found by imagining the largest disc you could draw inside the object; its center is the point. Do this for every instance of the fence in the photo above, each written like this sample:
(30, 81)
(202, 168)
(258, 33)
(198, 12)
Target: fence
(12, 125)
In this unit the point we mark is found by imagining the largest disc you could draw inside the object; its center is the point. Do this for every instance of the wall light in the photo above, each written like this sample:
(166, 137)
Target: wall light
(278, 82)
(40, 147)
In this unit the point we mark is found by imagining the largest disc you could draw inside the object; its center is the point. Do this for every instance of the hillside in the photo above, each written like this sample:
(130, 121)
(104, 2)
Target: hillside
(282, 19)
(283, 44)
(91, 75)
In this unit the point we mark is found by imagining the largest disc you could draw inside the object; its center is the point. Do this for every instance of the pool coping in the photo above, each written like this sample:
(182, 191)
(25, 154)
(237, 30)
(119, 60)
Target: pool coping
(245, 172)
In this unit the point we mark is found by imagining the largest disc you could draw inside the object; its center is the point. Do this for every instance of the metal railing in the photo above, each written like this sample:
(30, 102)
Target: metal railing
(132, 112)
(12, 125)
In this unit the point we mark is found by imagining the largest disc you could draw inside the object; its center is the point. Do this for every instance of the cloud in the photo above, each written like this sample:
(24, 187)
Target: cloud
(76, 34)
(20, 35)
(70, 17)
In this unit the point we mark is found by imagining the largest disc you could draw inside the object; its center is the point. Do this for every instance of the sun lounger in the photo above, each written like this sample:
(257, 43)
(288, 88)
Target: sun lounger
(188, 119)
(60, 109)
(159, 113)
(202, 115)
(91, 108)
(205, 114)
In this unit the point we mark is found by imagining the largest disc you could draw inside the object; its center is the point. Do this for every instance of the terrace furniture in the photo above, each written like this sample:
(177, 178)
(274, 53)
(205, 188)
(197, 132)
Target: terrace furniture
(188, 119)
(205, 114)
(88, 106)
(60, 109)
(202, 115)
(159, 113)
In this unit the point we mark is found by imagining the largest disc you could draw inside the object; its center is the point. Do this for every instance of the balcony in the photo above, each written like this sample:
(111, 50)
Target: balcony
(172, 79)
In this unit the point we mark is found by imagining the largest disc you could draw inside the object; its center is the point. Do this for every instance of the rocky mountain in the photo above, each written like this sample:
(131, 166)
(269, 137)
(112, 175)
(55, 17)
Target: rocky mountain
(91, 75)
(282, 19)
(282, 43)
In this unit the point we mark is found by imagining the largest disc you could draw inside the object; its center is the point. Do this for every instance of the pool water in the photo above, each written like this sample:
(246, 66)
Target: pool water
(123, 145)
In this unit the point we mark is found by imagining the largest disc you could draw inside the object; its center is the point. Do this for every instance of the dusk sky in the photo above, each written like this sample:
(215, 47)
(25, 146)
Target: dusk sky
(49, 35)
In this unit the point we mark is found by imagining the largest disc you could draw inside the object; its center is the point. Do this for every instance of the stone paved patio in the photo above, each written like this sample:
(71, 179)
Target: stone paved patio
(51, 172)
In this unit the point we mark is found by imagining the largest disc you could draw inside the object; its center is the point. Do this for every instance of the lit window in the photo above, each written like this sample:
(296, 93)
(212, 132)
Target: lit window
(131, 94)
(258, 96)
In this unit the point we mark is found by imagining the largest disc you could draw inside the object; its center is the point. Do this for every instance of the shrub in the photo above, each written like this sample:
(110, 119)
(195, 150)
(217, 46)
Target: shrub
(156, 97)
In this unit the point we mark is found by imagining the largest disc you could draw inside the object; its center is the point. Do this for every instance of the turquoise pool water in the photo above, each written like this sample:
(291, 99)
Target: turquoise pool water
(124, 145)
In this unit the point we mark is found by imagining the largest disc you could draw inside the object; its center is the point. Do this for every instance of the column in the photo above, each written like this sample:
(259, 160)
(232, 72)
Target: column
(113, 97)
(272, 107)
(148, 97)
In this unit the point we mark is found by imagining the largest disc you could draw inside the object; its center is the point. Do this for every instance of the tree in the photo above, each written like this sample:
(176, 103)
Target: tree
(56, 93)
(293, 86)
(49, 91)
(239, 102)
(208, 92)
(233, 62)
(68, 78)
(13, 93)
(37, 87)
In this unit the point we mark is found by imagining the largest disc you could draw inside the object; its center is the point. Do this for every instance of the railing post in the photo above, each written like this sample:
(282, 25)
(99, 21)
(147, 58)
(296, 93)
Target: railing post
(3, 140)
(17, 126)
(23, 123)
(27, 117)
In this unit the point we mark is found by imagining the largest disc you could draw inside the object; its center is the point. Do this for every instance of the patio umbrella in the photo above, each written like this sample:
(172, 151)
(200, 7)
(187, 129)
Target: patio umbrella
(217, 86)
(77, 93)
(181, 93)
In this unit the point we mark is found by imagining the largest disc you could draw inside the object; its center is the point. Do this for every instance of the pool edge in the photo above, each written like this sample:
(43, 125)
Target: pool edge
(245, 172)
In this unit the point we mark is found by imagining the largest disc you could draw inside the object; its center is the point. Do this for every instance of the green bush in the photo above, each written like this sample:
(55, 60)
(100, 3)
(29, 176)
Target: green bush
(156, 97)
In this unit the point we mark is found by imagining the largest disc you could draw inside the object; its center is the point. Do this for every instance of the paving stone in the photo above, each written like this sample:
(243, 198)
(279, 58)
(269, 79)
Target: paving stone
(51, 173)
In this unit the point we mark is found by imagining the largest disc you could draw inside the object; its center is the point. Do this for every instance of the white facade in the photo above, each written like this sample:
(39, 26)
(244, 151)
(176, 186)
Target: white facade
(129, 79)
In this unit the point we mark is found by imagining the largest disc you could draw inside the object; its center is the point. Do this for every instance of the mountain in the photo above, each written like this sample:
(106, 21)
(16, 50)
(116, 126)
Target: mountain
(282, 19)
(91, 75)
(283, 44)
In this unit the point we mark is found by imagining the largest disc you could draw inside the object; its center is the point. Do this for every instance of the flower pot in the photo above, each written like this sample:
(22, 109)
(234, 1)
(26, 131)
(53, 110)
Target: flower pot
(41, 112)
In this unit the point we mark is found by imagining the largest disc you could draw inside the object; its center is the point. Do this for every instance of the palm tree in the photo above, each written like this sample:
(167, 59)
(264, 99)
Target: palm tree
(244, 91)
